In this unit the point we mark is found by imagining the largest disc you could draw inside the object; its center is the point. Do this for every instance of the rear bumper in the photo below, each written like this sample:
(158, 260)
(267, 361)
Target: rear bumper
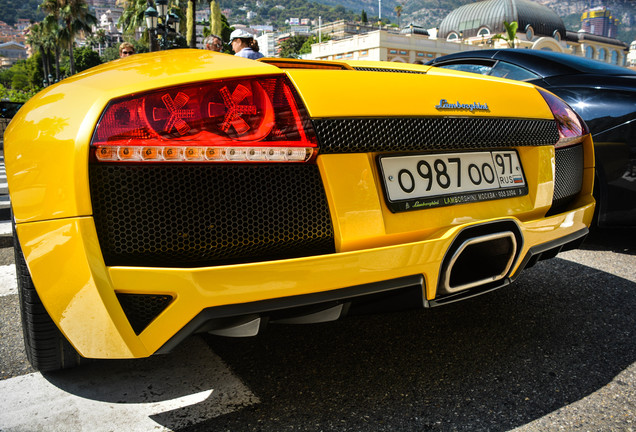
(80, 292)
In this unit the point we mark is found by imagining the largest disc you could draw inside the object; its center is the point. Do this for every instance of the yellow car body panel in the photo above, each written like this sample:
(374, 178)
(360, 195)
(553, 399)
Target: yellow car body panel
(47, 159)
(334, 99)
(58, 124)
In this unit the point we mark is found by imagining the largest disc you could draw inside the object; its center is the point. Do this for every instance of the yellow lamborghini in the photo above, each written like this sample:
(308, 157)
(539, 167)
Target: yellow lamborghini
(174, 193)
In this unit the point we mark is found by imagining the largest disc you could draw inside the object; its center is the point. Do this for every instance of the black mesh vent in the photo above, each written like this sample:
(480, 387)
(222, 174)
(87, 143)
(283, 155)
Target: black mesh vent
(568, 178)
(141, 309)
(417, 134)
(371, 69)
(200, 215)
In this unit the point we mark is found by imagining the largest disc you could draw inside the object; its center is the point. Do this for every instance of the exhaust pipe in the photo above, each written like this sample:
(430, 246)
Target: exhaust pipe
(479, 260)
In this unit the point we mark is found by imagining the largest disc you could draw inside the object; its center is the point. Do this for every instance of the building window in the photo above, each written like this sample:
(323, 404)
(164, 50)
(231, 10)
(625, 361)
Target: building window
(483, 32)
(601, 54)
(364, 53)
(589, 52)
(348, 55)
(392, 51)
(339, 56)
(614, 58)
(452, 36)
(420, 54)
(529, 32)
(402, 52)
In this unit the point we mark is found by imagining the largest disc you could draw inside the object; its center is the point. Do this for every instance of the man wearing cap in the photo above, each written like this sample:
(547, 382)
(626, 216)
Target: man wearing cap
(244, 45)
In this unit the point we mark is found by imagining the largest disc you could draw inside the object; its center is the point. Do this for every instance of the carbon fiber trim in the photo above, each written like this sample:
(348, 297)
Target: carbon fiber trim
(422, 134)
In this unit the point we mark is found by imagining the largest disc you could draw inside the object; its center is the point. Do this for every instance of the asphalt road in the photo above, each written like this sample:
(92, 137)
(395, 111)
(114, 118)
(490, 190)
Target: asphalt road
(555, 351)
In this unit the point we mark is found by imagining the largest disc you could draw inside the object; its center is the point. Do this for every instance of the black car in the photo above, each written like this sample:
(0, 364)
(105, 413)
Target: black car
(603, 95)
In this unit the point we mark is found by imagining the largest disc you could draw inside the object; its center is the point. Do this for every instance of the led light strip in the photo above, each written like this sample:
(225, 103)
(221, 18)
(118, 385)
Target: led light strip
(202, 154)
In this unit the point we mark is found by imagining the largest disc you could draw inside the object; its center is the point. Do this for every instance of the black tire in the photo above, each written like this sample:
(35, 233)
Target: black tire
(46, 347)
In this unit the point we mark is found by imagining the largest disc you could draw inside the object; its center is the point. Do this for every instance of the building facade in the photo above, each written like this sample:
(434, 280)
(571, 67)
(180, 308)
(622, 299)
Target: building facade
(473, 26)
(11, 52)
(382, 45)
(599, 21)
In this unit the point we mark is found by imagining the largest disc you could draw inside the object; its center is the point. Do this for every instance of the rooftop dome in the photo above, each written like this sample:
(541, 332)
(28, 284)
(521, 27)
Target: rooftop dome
(491, 14)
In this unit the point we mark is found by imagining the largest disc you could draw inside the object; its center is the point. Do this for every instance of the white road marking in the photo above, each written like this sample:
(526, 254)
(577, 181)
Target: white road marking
(5, 227)
(8, 283)
(160, 393)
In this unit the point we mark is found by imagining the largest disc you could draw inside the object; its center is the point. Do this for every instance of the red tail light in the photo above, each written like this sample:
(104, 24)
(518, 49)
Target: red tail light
(572, 128)
(258, 119)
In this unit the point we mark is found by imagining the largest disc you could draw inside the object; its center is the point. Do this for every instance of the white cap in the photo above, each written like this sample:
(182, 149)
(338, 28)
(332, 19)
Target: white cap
(241, 34)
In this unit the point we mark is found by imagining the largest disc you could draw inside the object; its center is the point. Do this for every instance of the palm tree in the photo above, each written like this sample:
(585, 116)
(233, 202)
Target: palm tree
(76, 18)
(51, 23)
(53, 32)
(133, 16)
(97, 39)
(36, 39)
(398, 12)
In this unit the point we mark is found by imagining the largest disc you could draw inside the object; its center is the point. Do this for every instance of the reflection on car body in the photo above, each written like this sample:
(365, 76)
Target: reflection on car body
(169, 194)
(603, 95)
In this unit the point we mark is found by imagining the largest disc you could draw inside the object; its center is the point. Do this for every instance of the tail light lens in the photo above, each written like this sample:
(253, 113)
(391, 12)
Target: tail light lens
(572, 128)
(259, 119)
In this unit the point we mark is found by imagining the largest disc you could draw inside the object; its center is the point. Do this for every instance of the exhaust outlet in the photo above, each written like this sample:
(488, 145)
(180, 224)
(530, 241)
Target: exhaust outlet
(478, 261)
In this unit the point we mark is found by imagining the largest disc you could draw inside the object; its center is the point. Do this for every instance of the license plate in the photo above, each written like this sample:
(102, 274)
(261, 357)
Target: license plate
(415, 182)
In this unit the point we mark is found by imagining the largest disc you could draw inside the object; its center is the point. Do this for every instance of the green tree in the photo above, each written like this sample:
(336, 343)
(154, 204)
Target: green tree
(97, 40)
(290, 48)
(6, 76)
(86, 58)
(53, 29)
(363, 17)
(20, 81)
(398, 12)
(29, 73)
(36, 39)
(75, 17)
(133, 15)
(306, 48)
(511, 33)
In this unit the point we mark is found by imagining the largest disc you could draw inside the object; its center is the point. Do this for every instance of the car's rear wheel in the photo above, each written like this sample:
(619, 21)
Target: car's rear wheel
(46, 347)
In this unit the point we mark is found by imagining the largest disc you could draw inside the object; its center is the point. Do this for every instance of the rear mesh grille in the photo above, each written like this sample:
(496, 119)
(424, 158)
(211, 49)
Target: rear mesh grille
(204, 215)
(142, 309)
(421, 134)
(568, 179)
(372, 69)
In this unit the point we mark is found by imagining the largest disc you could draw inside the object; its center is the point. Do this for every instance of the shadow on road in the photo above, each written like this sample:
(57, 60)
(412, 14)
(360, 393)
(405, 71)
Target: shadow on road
(560, 333)
(620, 240)
(491, 363)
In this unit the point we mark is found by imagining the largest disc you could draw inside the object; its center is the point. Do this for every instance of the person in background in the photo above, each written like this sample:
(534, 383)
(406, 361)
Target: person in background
(126, 49)
(213, 43)
(244, 45)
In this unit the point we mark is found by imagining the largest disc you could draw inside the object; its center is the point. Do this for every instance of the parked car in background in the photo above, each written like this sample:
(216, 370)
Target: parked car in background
(7, 111)
(603, 95)
(181, 192)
